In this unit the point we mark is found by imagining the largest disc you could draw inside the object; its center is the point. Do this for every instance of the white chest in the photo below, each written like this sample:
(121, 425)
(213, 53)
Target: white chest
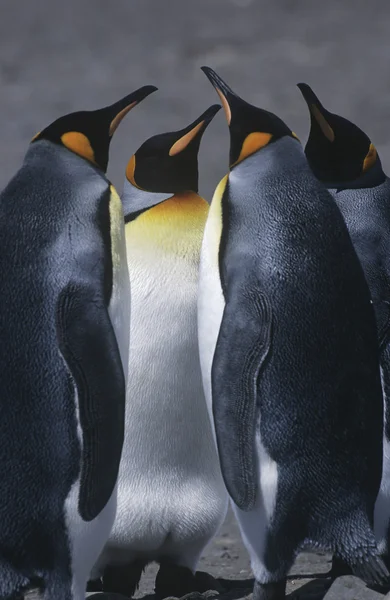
(211, 302)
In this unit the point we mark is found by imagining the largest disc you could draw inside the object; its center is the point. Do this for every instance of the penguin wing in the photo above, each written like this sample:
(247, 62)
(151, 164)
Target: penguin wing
(88, 344)
(382, 315)
(242, 347)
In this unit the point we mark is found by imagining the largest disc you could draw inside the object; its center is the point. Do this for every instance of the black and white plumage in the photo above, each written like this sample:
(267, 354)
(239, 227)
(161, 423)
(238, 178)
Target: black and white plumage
(63, 358)
(289, 356)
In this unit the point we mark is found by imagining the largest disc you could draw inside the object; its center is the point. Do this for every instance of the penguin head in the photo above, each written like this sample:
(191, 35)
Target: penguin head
(251, 128)
(168, 163)
(337, 150)
(89, 133)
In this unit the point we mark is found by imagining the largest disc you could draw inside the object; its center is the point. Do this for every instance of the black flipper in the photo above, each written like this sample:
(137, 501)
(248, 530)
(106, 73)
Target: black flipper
(89, 346)
(382, 314)
(243, 344)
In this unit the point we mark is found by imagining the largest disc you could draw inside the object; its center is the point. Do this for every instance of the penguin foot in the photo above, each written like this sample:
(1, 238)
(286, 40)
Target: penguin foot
(95, 585)
(174, 580)
(205, 582)
(339, 568)
(123, 579)
(270, 591)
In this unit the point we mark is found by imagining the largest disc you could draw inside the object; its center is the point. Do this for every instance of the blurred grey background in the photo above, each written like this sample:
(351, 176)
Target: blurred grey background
(57, 57)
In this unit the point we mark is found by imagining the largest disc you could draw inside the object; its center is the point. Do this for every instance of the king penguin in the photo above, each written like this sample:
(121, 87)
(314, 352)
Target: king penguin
(171, 495)
(289, 356)
(343, 157)
(63, 358)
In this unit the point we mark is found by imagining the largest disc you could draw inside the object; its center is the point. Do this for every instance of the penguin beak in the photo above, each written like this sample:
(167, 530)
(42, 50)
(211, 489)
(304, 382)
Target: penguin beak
(317, 111)
(251, 128)
(196, 129)
(118, 110)
(225, 93)
(209, 114)
(352, 135)
(308, 94)
(88, 133)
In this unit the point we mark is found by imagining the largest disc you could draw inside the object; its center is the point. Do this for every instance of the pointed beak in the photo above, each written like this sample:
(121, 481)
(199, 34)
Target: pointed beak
(209, 114)
(119, 109)
(193, 131)
(142, 93)
(217, 82)
(309, 95)
(204, 120)
(223, 90)
(133, 98)
(318, 113)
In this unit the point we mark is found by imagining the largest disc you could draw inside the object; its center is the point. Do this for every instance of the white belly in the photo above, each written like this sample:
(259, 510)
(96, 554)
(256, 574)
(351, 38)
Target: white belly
(119, 308)
(382, 505)
(211, 305)
(170, 489)
(86, 538)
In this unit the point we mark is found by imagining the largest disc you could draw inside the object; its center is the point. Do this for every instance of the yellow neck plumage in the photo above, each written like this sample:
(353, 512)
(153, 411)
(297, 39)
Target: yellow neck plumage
(175, 225)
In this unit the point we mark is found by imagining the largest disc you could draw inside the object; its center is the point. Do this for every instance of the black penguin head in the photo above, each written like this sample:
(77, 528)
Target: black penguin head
(251, 128)
(169, 162)
(89, 133)
(337, 150)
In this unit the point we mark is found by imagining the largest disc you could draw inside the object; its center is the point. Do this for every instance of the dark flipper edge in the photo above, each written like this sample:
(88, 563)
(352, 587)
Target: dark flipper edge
(89, 347)
(242, 347)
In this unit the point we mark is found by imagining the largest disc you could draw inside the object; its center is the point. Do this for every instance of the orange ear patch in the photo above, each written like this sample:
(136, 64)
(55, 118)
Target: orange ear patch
(116, 120)
(78, 143)
(130, 170)
(370, 159)
(322, 122)
(252, 143)
(183, 142)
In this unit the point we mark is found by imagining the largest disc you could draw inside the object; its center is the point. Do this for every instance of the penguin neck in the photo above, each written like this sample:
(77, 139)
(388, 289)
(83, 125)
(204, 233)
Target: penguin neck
(136, 201)
(370, 179)
(276, 163)
(46, 154)
(173, 224)
(71, 184)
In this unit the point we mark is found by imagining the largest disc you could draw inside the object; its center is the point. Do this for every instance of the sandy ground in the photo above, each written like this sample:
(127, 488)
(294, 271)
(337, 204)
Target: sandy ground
(57, 57)
(226, 559)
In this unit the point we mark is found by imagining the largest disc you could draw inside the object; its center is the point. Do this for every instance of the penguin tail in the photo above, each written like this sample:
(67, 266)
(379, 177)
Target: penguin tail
(372, 570)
